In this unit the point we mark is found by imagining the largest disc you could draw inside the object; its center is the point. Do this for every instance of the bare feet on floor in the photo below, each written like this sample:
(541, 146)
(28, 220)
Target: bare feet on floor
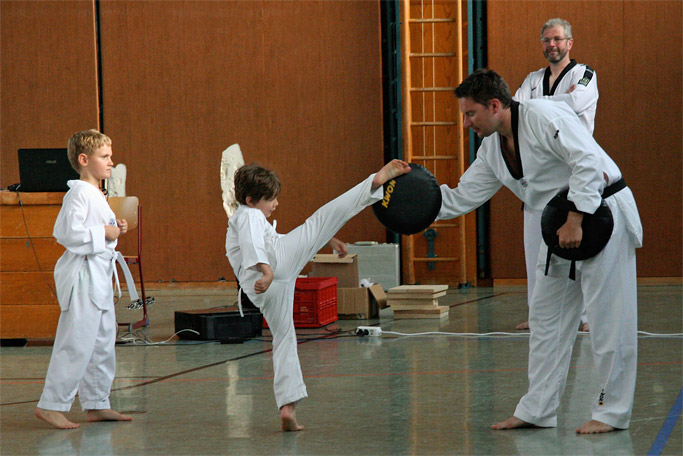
(288, 417)
(512, 423)
(595, 427)
(55, 418)
(107, 415)
(391, 170)
(523, 326)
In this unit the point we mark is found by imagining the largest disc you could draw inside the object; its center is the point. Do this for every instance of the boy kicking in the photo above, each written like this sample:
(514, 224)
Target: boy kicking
(83, 357)
(267, 263)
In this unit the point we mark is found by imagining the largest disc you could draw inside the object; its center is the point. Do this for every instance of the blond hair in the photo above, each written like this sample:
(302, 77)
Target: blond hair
(85, 142)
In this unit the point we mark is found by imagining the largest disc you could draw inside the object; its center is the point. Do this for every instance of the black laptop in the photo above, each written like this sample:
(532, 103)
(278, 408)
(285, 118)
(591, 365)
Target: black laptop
(45, 170)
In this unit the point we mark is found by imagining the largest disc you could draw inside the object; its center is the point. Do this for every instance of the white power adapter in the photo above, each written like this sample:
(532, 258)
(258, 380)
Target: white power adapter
(369, 331)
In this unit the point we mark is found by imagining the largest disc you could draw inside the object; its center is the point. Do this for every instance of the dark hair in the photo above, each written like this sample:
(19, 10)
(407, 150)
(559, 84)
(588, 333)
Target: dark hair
(257, 182)
(483, 86)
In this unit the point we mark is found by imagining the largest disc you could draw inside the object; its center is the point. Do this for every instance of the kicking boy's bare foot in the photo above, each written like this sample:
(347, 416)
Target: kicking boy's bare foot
(585, 327)
(594, 427)
(392, 169)
(288, 417)
(512, 423)
(55, 418)
(523, 326)
(107, 415)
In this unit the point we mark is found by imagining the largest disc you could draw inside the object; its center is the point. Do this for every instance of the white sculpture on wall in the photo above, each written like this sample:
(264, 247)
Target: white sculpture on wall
(116, 184)
(231, 161)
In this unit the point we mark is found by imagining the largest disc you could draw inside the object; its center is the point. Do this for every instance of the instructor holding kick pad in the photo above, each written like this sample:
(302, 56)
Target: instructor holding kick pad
(537, 148)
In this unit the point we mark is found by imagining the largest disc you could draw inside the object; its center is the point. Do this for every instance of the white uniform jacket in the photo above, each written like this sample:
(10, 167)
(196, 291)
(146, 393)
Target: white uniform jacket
(80, 229)
(553, 152)
(248, 243)
(583, 99)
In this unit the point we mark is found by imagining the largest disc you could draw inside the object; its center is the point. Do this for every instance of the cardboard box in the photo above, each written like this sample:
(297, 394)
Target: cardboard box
(360, 303)
(344, 269)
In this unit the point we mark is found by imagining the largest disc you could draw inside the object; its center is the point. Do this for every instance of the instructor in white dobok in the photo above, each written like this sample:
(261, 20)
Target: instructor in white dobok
(566, 81)
(536, 148)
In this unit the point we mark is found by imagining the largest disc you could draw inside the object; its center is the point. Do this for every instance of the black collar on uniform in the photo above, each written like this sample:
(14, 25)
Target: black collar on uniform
(514, 119)
(546, 78)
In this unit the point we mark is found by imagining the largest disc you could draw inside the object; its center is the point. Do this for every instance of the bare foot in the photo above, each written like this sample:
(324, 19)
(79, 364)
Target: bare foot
(512, 423)
(107, 415)
(585, 327)
(392, 169)
(523, 326)
(594, 427)
(55, 418)
(288, 417)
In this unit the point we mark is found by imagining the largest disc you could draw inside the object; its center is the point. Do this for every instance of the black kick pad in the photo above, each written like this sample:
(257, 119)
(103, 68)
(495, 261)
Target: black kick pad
(411, 201)
(597, 228)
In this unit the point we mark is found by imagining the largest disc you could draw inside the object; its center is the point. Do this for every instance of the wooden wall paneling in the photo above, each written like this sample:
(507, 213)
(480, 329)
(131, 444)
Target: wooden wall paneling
(296, 84)
(642, 135)
(650, 130)
(49, 84)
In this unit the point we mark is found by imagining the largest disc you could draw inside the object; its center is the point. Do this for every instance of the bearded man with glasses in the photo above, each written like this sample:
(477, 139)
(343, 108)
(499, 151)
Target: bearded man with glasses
(562, 80)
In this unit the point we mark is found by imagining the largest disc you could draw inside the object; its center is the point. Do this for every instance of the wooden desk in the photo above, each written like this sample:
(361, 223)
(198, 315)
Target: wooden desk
(28, 253)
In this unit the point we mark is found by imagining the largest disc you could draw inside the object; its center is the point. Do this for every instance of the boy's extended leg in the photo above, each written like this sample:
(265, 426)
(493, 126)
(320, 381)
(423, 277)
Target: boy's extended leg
(296, 248)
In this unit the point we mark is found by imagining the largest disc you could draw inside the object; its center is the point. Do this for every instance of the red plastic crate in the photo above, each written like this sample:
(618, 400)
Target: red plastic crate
(315, 302)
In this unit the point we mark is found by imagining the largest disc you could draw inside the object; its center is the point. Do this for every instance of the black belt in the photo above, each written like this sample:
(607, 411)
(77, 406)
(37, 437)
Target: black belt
(614, 188)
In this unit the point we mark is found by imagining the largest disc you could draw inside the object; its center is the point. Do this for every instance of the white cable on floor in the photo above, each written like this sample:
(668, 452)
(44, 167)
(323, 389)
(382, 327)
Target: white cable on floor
(136, 340)
(660, 335)
(583, 333)
(456, 334)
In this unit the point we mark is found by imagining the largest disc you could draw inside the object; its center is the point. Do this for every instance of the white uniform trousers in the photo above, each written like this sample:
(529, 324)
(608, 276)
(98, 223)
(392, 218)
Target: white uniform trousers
(83, 355)
(533, 238)
(293, 251)
(606, 284)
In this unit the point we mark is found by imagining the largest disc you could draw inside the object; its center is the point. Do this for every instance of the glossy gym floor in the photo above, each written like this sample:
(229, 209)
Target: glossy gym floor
(388, 395)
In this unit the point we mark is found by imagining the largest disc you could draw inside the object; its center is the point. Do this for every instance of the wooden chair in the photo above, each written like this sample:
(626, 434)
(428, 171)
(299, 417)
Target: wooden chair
(128, 208)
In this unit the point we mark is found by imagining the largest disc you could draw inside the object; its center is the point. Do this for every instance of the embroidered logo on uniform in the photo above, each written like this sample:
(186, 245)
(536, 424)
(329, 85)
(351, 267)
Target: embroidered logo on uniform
(587, 76)
(112, 222)
(557, 133)
(523, 183)
(601, 399)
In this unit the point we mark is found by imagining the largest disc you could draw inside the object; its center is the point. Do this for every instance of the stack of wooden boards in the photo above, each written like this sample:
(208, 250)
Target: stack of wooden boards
(417, 301)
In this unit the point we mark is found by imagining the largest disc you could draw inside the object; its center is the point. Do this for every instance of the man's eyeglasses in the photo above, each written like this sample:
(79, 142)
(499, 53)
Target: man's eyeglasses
(556, 39)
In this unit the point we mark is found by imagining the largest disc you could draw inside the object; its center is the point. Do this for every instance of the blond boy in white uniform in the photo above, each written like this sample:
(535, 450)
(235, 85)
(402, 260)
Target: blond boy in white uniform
(83, 357)
(267, 263)
(563, 80)
(536, 148)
